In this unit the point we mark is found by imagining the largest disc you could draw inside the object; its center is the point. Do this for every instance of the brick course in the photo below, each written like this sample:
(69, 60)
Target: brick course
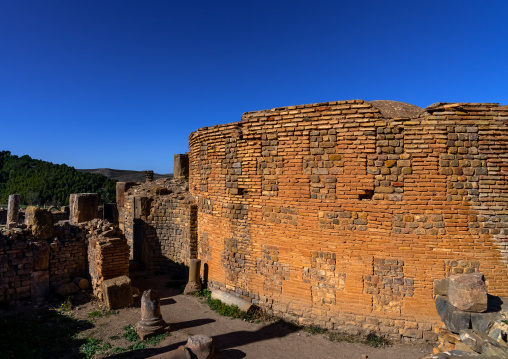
(337, 215)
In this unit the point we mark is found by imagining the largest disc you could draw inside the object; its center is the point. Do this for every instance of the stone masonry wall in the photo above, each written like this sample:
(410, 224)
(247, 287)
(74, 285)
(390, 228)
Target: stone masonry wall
(167, 215)
(26, 262)
(32, 268)
(342, 214)
(108, 254)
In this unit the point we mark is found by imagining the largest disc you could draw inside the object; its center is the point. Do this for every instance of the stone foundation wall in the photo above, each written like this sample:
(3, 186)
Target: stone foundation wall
(342, 214)
(68, 255)
(33, 268)
(165, 214)
(27, 263)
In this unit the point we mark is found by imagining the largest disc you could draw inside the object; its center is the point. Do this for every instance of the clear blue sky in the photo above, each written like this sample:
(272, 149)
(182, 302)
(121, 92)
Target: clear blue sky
(121, 84)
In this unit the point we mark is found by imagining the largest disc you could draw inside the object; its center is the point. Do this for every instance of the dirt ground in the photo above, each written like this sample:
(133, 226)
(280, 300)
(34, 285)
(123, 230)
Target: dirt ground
(233, 338)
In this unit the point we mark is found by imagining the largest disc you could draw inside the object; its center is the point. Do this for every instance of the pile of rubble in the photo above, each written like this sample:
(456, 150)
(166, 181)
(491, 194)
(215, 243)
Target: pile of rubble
(476, 323)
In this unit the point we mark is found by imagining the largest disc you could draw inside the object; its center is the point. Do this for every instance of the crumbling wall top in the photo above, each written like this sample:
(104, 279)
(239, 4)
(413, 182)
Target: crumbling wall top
(396, 109)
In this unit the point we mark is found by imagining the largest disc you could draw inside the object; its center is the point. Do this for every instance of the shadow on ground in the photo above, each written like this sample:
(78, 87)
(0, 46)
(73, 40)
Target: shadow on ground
(224, 343)
(40, 334)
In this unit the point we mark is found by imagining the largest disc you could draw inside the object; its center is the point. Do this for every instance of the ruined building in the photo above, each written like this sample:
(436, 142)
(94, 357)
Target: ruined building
(338, 214)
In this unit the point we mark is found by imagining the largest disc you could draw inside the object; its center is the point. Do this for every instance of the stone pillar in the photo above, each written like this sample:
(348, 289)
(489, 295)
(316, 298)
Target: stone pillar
(151, 322)
(194, 284)
(13, 210)
(149, 176)
(84, 207)
(40, 221)
(181, 166)
(121, 188)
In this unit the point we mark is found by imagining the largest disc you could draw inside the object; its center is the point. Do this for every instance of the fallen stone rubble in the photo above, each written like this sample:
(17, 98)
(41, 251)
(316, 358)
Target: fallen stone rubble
(476, 324)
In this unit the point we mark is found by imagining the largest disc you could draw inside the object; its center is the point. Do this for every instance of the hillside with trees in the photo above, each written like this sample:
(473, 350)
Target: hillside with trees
(44, 183)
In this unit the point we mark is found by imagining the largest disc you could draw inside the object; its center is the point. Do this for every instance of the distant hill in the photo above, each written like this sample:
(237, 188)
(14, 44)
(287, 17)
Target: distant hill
(124, 175)
(44, 183)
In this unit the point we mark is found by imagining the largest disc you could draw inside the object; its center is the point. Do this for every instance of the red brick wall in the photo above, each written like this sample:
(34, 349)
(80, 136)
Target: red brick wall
(332, 214)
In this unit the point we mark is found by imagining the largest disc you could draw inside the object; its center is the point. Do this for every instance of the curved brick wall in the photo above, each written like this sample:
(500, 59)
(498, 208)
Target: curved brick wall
(332, 214)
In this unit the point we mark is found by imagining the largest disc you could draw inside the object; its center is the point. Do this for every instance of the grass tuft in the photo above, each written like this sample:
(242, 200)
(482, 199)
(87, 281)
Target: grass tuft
(376, 341)
(130, 333)
(94, 346)
(232, 311)
(66, 305)
(314, 329)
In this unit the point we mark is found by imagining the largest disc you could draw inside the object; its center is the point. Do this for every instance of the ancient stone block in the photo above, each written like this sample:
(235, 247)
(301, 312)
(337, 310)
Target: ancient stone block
(201, 346)
(83, 206)
(468, 292)
(67, 288)
(82, 283)
(495, 350)
(181, 166)
(441, 286)
(231, 299)
(40, 221)
(481, 322)
(454, 319)
(121, 188)
(117, 292)
(13, 210)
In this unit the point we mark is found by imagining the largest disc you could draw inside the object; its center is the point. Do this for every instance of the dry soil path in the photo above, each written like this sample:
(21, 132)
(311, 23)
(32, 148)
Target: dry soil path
(234, 338)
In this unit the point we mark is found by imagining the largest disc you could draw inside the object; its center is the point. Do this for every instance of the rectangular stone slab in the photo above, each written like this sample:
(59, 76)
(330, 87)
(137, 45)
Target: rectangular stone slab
(117, 292)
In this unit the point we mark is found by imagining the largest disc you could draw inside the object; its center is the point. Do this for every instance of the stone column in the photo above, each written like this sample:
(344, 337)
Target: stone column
(84, 207)
(149, 176)
(13, 210)
(194, 284)
(121, 188)
(151, 322)
(181, 166)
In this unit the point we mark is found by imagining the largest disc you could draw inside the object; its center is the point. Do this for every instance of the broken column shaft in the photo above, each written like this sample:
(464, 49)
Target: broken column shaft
(151, 322)
(13, 210)
(194, 284)
(148, 175)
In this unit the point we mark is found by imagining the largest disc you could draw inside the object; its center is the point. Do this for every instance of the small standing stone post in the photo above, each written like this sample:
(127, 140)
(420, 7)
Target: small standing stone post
(181, 166)
(149, 176)
(194, 284)
(13, 210)
(83, 207)
(151, 322)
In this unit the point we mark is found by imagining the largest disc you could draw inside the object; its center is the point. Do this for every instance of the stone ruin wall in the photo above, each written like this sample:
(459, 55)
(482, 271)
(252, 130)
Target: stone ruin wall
(167, 215)
(107, 254)
(26, 261)
(31, 268)
(340, 215)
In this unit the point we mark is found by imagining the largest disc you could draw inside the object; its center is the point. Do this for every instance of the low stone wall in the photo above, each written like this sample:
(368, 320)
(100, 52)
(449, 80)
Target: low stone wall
(33, 268)
(29, 266)
(68, 254)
